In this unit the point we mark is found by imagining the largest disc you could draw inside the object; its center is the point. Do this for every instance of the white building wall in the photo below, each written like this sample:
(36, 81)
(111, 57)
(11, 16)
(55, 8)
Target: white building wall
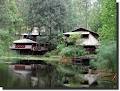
(90, 41)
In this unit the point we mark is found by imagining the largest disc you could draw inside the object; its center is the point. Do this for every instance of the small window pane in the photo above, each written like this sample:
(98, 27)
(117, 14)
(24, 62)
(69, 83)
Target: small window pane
(84, 35)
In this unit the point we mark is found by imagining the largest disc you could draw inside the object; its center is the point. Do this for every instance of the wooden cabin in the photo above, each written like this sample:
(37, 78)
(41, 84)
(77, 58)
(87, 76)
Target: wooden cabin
(28, 44)
(88, 39)
(24, 45)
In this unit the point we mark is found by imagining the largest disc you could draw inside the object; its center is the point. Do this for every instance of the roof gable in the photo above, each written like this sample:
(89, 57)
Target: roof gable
(82, 29)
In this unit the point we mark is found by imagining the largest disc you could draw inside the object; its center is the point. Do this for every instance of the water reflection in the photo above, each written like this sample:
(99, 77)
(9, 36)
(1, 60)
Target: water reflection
(30, 74)
(34, 74)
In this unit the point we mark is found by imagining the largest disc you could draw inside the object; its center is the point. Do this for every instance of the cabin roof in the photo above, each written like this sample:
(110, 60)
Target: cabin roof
(25, 34)
(91, 41)
(75, 33)
(82, 29)
(24, 41)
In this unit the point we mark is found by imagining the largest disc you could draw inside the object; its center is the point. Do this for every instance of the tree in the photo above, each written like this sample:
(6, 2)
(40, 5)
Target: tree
(9, 15)
(107, 57)
(10, 21)
(48, 14)
(108, 20)
(4, 18)
(94, 15)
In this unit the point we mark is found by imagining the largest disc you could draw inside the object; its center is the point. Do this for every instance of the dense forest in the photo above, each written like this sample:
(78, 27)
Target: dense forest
(57, 17)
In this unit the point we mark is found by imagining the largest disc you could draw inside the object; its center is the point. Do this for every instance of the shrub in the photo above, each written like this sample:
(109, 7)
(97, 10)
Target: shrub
(5, 41)
(72, 51)
(107, 57)
(67, 51)
(79, 51)
(47, 54)
(73, 38)
(60, 47)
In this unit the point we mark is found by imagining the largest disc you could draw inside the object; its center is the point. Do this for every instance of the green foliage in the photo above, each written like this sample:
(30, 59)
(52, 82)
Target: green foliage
(76, 79)
(9, 14)
(6, 39)
(46, 13)
(60, 47)
(47, 54)
(72, 72)
(72, 51)
(58, 16)
(69, 69)
(107, 57)
(80, 51)
(94, 21)
(73, 38)
(68, 51)
(108, 20)
(60, 39)
(42, 39)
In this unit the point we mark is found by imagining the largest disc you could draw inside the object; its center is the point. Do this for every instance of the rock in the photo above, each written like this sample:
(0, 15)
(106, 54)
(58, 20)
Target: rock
(91, 78)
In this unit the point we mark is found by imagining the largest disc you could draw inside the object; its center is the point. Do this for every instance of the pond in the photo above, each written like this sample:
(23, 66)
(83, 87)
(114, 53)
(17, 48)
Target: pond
(44, 76)
(41, 75)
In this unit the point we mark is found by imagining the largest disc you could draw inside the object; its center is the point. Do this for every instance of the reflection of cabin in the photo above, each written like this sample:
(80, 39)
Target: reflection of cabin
(88, 39)
(28, 43)
(27, 65)
(84, 61)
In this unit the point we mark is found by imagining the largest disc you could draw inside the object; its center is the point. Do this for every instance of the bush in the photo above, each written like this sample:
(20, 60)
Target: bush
(73, 38)
(53, 52)
(107, 57)
(48, 54)
(79, 51)
(60, 47)
(5, 41)
(67, 51)
(72, 51)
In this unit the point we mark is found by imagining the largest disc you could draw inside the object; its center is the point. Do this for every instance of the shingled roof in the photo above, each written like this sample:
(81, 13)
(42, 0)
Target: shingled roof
(82, 29)
(24, 41)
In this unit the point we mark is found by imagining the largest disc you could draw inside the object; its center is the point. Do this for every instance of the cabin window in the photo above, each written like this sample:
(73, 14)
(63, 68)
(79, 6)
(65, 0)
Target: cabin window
(67, 35)
(86, 62)
(90, 49)
(85, 36)
(78, 62)
(25, 36)
(20, 46)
